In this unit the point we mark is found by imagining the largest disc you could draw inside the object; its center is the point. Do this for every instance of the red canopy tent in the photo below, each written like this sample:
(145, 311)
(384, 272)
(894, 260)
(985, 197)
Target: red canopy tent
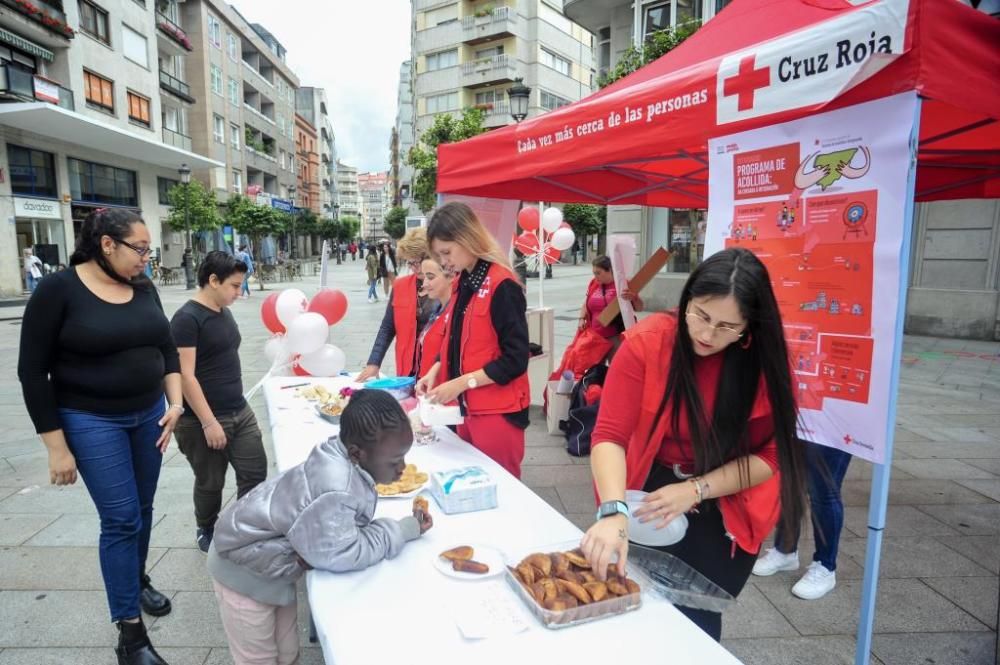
(758, 63)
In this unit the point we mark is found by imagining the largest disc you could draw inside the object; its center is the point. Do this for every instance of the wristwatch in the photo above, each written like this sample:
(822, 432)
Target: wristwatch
(179, 407)
(609, 508)
(472, 383)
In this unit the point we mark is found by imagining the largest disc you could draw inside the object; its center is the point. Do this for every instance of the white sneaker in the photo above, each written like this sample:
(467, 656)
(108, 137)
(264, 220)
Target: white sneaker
(816, 583)
(774, 561)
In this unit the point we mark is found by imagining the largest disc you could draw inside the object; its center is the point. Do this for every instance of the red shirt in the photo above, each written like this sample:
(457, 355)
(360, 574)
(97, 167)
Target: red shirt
(600, 296)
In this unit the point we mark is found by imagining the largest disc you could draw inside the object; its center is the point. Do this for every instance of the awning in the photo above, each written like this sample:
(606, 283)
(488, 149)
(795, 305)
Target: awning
(27, 46)
(55, 122)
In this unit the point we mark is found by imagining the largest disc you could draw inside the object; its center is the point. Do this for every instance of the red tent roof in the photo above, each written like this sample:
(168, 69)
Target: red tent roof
(644, 139)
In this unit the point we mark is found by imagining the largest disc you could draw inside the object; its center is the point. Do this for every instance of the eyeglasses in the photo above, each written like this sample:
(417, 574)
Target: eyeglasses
(704, 321)
(141, 251)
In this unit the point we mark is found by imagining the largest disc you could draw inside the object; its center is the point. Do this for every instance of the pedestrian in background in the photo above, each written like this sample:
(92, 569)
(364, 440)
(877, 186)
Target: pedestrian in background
(245, 257)
(32, 269)
(387, 267)
(372, 268)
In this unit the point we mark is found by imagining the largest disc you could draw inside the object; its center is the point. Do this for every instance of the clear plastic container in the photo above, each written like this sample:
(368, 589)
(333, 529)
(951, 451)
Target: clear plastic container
(576, 615)
(676, 581)
(400, 387)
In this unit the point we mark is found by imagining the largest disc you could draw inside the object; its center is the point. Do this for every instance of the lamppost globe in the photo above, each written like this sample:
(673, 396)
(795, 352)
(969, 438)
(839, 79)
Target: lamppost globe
(185, 173)
(519, 96)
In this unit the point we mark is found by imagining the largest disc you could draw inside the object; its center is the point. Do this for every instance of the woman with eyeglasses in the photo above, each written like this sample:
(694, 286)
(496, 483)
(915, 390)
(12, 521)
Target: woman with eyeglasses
(437, 283)
(698, 410)
(407, 312)
(95, 360)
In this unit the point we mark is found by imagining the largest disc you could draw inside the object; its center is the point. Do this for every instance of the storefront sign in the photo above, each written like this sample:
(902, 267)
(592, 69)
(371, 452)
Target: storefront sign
(46, 91)
(37, 208)
(283, 205)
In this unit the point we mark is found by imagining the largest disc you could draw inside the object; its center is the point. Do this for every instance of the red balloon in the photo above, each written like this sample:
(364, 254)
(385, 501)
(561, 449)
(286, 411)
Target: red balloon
(331, 303)
(527, 218)
(527, 243)
(552, 255)
(297, 369)
(269, 315)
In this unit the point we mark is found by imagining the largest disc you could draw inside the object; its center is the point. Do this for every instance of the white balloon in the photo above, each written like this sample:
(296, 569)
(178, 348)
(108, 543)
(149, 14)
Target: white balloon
(307, 333)
(328, 360)
(551, 219)
(563, 239)
(289, 305)
(274, 347)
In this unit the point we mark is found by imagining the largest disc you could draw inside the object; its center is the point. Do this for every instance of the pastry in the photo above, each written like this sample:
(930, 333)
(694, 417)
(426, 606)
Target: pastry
(542, 562)
(460, 553)
(597, 590)
(616, 585)
(420, 503)
(577, 559)
(526, 572)
(470, 566)
(574, 589)
(560, 563)
(387, 490)
(633, 587)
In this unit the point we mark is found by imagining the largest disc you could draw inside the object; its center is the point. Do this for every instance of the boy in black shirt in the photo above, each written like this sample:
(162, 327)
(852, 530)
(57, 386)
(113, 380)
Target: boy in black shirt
(219, 427)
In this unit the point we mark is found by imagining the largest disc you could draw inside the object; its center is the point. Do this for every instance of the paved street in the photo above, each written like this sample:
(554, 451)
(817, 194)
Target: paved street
(940, 566)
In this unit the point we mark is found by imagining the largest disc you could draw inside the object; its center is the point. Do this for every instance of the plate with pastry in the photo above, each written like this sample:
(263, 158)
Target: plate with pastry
(408, 486)
(470, 562)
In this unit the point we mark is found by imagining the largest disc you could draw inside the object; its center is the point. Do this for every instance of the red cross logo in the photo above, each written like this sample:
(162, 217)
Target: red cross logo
(746, 82)
(848, 440)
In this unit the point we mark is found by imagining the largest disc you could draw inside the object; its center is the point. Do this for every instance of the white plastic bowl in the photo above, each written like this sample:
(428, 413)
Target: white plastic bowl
(647, 533)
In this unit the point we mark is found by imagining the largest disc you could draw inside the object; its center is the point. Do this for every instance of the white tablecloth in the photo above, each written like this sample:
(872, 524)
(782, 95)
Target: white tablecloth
(405, 611)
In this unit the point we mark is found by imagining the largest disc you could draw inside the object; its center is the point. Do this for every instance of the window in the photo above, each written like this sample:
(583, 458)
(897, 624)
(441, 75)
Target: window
(442, 60)
(138, 108)
(99, 183)
(32, 172)
(550, 101)
(100, 92)
(163, 186)
(219, 128)
(171, 119)
(26, 62)
(687, 11)
(281, 124)
(656, 18)
(216, 73)
(237, 181)
(134, 46)
(441, 15)
(489, 97)
(441, 103)
(281, 153)
(281, 88)
(214, 32)
(676, 229)
(234, 92)
(558, 63)
(604, 51)
(234, 136)
(232, 48)
(489, 52)
(94, 21)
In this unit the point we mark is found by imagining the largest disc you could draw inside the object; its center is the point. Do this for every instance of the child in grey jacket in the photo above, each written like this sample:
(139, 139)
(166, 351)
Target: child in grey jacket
(318, 514)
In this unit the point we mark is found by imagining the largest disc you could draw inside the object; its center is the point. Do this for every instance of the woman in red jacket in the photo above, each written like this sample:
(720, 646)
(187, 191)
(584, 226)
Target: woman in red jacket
(698, 410)
(484, 371)
(437, 284)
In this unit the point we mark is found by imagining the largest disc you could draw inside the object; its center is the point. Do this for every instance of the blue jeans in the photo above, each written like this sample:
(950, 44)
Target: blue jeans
(246, 284)
(32, 282)
(373, 288)
(825, 468)
(117, 457)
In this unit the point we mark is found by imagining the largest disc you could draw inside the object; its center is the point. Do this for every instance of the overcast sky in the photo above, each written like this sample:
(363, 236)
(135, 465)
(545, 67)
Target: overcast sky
(353, 49)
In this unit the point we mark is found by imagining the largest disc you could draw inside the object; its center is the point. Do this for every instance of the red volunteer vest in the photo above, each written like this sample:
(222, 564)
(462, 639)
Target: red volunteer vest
(431, 345)
(480, 346)
(404, 318)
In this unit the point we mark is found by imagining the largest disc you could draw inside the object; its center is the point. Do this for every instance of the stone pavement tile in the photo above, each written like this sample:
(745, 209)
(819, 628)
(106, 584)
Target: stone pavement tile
(16, 440)
(181, 570)
(176, 529)
(543, 440)
(903, 434)
(941, 469)
(578, 498)
(991, 465)
(71, 531)
(547, 456)
(65, 568)
(583, 521)
(754, 616)
(311, 655)
(990, 488)
(93, 656)
(903, 606)
(550, 496)
(976, 595)
(50, 499)
(827, 650)
(933, 647)
(847, 569)
(915, 557)
(172, 499)
(862, 470)
(951, 450)
(548, 476)
(56, 619)
(970, 520)
(910, 492)
(15, 529)
(7, 491)
(984, 550)
(35, 461)
(899, 521)
(193, 622)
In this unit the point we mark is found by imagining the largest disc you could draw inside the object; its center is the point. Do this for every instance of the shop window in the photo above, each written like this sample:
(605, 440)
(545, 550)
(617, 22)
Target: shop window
(32, 172)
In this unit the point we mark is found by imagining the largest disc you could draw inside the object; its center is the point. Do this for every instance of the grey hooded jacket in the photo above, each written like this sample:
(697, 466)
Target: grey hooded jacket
(321, 510)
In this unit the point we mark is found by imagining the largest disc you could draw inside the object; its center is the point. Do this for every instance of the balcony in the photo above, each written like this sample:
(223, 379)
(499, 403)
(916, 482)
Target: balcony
(592, 15)
(25, 86)
(260, 160)
(254, 75)
(176, 37)
(258, 114)
(497, 114)
(175, 86)
(488, 71)
(495, 24)
(48, 14)
(176, 139)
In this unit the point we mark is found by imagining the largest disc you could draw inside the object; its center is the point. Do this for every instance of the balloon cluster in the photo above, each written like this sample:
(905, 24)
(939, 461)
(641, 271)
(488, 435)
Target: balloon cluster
(301, 328)
(556, 236)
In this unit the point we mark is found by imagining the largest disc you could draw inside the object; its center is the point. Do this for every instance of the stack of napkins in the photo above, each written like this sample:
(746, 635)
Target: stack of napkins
(439, 414)
(463, 490)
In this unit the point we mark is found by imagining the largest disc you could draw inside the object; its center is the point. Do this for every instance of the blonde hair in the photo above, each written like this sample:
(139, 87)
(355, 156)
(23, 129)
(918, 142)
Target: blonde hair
(413, 245)
(455, 222)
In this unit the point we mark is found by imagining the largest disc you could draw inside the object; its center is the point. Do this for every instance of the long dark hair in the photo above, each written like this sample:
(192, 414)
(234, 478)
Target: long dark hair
(737, 272)
(114, 223)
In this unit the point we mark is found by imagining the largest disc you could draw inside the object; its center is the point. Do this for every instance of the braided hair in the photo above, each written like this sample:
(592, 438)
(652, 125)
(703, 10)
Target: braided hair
(114, 223)
(368, 415)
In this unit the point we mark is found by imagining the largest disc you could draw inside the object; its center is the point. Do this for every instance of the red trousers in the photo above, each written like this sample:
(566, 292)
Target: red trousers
(494, 435)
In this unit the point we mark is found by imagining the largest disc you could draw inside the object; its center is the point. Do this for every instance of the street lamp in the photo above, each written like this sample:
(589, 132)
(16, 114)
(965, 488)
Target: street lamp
(185, 174)
(519, 95)
(291, 194)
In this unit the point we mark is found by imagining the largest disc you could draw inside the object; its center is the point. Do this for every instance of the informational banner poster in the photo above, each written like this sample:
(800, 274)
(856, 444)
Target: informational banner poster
(821, 201)
(621, 250)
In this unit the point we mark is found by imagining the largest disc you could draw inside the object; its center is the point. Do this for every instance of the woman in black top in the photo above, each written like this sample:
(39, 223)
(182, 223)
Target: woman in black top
(96, 355)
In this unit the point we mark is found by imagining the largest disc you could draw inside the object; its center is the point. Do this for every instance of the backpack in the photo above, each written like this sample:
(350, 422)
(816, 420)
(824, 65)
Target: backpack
(582, 418)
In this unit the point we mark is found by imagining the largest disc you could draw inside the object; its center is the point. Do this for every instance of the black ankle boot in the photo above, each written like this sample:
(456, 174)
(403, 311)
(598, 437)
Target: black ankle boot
(153, 602)
(134, 647)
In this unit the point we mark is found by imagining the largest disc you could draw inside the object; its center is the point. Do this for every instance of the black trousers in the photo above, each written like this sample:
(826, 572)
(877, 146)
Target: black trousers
(707, 549)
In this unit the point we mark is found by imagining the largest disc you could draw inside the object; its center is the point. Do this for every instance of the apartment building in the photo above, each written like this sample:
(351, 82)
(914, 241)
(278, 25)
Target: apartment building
(307, 191)
(82, 124)
(469, 52)
(403, 138)
(347, 190)
(374, 190)
(311, 103)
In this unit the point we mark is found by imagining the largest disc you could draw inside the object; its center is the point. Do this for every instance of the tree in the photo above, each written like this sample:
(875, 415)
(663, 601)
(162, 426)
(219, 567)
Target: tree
(584, 219)
(656, 45)
(423, 156)
(350, 227)
(255, 221)
(193, 208)
(395, 222)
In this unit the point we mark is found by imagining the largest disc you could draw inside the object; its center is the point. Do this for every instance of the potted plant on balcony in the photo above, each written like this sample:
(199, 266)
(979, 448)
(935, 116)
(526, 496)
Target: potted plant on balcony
(484, 11)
